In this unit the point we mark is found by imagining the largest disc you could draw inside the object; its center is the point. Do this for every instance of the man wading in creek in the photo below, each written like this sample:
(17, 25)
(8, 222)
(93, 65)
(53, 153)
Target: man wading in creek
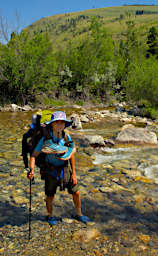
(58, 149)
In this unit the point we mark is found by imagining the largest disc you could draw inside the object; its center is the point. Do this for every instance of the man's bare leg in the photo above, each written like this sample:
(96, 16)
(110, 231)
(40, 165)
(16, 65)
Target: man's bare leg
(49, 205)
(77, 203)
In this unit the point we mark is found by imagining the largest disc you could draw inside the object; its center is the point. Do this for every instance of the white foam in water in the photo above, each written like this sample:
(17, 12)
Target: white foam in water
(100, 159)
(151, 172)
(115, 150)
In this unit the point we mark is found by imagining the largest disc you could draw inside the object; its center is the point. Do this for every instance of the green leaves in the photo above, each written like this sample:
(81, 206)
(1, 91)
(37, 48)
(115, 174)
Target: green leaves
(28, 63)
(95, 66)
(89, 57)
(152, 42)
(142, 81)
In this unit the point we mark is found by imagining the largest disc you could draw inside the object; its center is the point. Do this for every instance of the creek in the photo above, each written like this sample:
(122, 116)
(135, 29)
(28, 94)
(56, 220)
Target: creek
(118, 188)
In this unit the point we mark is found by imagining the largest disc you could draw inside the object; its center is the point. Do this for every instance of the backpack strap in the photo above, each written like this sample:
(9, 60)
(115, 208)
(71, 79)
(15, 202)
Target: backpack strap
(66, 138)
(46, 132)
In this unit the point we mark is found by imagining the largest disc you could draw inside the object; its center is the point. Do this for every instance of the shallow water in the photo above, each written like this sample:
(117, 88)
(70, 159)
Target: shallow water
(114, 195)
(13, 125)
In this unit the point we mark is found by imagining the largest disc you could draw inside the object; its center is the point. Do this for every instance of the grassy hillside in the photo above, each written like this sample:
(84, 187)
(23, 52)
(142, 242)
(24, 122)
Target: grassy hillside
(72, 26)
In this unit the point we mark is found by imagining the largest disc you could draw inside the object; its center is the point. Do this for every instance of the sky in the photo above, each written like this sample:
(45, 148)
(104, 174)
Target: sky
(25, 12)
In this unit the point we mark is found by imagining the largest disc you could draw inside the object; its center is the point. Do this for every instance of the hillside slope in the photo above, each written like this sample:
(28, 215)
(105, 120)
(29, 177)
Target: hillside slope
(73, 26)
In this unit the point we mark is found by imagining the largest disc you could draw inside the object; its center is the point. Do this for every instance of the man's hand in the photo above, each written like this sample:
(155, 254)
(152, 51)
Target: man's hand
(74, 179)
(30, 174)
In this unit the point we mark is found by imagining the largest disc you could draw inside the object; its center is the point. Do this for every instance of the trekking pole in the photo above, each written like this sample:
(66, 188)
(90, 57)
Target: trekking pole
(30, 202)
(30, 209)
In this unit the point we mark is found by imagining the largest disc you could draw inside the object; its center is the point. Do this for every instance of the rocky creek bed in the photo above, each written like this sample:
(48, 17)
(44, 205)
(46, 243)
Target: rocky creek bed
(118, 191)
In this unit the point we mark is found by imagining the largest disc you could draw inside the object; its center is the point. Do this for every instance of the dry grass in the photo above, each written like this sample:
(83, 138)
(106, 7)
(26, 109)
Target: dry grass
(61, 28)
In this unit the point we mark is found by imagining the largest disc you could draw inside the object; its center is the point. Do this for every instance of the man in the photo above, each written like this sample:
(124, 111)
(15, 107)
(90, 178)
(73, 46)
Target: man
(58, 149)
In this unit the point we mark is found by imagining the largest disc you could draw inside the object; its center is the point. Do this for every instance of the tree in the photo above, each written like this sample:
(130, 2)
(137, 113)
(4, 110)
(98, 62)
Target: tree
(142, 81)
(91, 57)
(152, 42)
(29, 65)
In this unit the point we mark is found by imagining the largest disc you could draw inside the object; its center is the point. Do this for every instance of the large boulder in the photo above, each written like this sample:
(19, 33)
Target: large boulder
(136, 135)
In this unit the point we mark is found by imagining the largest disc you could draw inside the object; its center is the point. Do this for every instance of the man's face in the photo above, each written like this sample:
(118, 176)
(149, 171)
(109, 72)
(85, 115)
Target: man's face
(58, 125)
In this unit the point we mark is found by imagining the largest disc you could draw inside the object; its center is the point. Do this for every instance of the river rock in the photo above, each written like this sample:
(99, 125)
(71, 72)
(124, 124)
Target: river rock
(136, 135)
(144, 238)
(20, 199)
(132, 173)
(67, 220)
(84, 119)
(14, 107)
(76, 122)
(26, 108)
(86, 235)
(105, 189)
(95, 140)
(127, 126)
(152, 128)
(109, 142)
(90, 140)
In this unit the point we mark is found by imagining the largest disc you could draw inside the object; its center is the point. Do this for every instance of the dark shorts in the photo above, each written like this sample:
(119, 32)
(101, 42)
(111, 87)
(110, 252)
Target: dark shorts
(52, 183)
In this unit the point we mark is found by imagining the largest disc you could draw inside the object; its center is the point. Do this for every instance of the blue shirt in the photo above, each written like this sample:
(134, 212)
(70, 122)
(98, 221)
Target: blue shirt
(52, 158)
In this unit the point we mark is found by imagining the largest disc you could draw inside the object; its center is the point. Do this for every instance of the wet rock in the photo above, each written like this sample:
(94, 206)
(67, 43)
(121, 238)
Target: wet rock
(136, 135)
(26, 108)
(106, 189)
(143, 179)
(84, 119)
(86, 235)
(20, 199)
(14, 107)
(109, 142)
(95, 140)
(132, 173)
(66, 220)
(1, 250)
(126, 126)
(41, 194)
(144, 238)
(76, 122)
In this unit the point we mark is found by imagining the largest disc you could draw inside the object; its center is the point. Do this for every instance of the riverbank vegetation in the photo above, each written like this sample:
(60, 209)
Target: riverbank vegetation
(95, 64)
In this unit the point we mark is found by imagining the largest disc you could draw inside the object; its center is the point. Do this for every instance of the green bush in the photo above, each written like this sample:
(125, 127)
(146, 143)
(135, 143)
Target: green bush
(142, 81)
(80, 102)
(151, 113)
(53, 102)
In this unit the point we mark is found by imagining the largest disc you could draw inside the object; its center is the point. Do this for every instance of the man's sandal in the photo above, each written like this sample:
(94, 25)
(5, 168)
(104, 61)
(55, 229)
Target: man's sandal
(53, 220)
(68, 154)
(52, 148)
(83, 219)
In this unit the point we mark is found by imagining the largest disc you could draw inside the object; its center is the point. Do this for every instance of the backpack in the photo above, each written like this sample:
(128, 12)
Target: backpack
(31, 139)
